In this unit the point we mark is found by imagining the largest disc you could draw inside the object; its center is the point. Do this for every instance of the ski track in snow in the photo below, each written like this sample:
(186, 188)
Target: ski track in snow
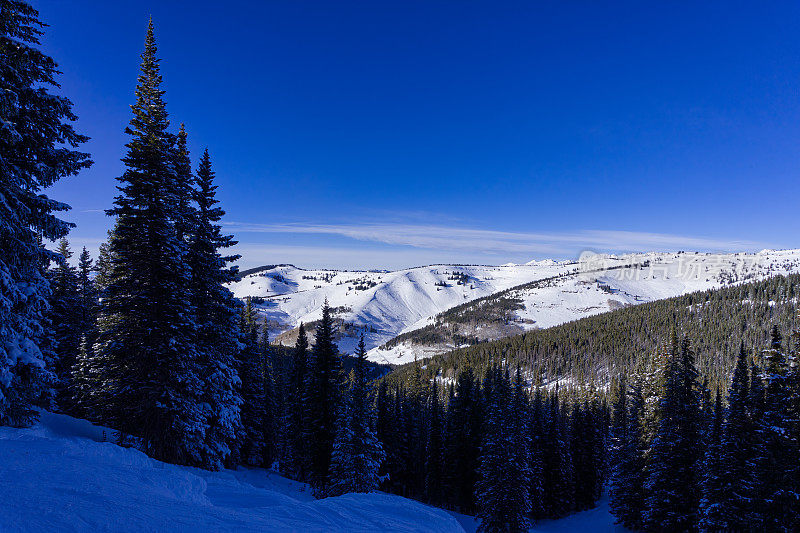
(60, 475)
(391, 303)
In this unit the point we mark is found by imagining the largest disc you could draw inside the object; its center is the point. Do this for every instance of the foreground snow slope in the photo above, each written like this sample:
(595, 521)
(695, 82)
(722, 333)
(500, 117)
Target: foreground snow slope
(387, 304)
(61, 476)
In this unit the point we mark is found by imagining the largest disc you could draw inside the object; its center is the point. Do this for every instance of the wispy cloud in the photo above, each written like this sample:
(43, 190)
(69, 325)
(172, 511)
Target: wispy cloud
(481, 241)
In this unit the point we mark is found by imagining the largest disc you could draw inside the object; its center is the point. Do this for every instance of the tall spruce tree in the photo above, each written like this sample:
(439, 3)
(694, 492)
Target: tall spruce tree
(184, 185)
(759, 457)
(357, 454)
(254, 443)
(385, 431)
(83, 388)
(730, 508)
(501, 490)
(216, 315)
(64, 322)
(273, 431)
(558, 476)
(434, 467)
(672, 486)
(588, 451)
(627, 456)
(537, 440)
(520, 458)
(463, 440)
(322, 402)
(37, 145)
(298, 448)
(146, 347)
(712, 479)
(780, 501)
(103, 267)
(87, 294)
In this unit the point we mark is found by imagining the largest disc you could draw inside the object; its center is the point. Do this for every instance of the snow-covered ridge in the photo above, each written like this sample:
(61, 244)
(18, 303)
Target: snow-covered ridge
(62, 475)
(387, 304)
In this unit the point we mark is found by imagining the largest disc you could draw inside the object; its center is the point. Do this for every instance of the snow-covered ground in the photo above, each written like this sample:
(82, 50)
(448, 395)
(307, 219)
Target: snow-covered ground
(597, 520)
(61, 475)
(391, 303)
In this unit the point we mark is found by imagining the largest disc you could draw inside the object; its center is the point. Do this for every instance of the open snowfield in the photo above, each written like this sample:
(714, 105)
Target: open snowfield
(60, 475)
(391, 303)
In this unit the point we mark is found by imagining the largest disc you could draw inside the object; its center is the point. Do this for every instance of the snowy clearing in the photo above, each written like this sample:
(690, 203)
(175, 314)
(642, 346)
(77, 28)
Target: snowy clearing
(60, 476)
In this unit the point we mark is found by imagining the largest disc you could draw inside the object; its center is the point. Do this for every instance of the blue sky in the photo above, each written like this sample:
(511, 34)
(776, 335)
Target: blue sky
(393, 134)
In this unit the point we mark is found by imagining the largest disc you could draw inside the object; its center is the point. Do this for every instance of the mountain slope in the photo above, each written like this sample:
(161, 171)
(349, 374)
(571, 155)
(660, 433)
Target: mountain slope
(595, 349)
(384, 303)
(425, 311)
(61, 475)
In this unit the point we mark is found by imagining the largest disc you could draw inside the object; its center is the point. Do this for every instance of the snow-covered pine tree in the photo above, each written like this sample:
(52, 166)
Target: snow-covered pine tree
(463, 439)
(37, 145)
(64, 321)
(87, 294)
(297, 450)
(323, 401)
(397, 427)
(582, 447)
(251, 372)
(146, 348)
(712, 481)
(588, 450)
(103, 268)
(730, 507)
(618, 436)
(627, 468)
(536, 453)
(558, 481)
(86, 388)
(780, 502)
(357, 453)
(184, 186)
(566, 484)
(417, 431)
(434, 468)
(794, 418)
(518, 417)
(384, 431)
(501, 490)
(83, 388)
(672, 486)
(759, 456)
(410, 435)
(272, 409)
(489, 486)
(217, 318)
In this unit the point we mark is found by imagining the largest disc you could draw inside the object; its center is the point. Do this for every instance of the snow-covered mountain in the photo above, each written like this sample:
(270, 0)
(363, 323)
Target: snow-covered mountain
(486, 302)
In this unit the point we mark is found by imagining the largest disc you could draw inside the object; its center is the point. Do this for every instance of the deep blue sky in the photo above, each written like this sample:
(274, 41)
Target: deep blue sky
(389, 134)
